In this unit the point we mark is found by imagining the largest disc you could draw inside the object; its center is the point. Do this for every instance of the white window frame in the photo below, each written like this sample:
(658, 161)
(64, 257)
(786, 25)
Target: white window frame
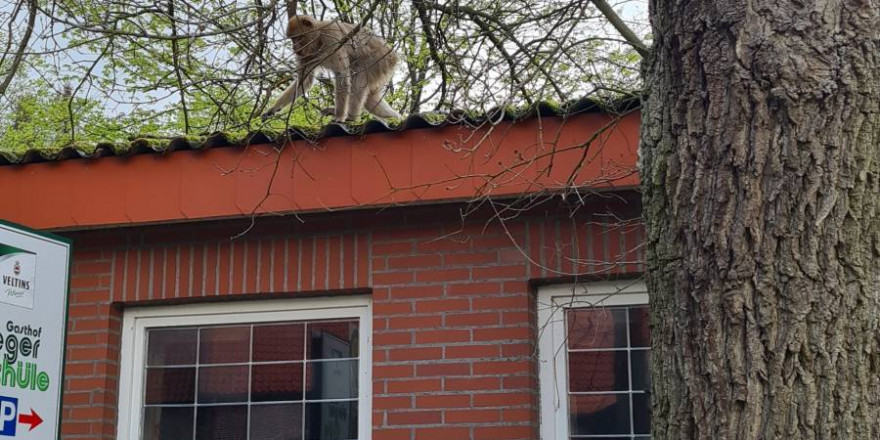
(136, 322)
(552, 355)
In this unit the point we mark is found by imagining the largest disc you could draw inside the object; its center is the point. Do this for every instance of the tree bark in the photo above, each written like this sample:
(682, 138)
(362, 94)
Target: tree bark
(761, 180)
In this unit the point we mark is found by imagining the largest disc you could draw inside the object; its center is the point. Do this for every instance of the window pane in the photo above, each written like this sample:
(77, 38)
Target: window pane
(641, 413)
(277, 422)
(221, 423)
(171, 347)
(170, 385)
(598, 371)
(596, 328)
(331, 421)
(164, 423)
(337, 339)
(279, 342)
(223, 384)
(331, 380)
(639, 328)
(641, 364)
(223, 345)
(277, 382)
(600, 414)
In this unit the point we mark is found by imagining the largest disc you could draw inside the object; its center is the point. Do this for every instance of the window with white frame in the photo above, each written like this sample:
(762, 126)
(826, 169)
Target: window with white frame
(594, 361)
(267, 370)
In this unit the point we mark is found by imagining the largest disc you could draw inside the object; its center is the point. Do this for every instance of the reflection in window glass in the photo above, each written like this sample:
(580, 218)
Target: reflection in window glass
(608, 372)
(331, 421)
(287, 381)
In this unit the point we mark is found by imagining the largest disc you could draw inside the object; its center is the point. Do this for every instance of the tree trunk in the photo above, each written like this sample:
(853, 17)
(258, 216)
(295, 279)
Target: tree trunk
(761, 180)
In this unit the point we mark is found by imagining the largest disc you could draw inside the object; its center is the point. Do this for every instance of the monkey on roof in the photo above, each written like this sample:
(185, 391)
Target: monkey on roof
(361, 64)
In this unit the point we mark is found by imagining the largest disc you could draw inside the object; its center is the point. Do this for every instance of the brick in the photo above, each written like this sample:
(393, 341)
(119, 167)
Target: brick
(82, 398)
(392, 371)
(92, 268)
(496, 242)
(502, 333)
(415, 354)
(443, 275)
(502, 399)
(413, 386)
(518, 415)
(442, 336)
(380, 356)
(473, 416)
(416, 292)
(515, 287)
(443, 305)
(89, 281)
(491, 272)
(509, 318)
(445, 245)
(470, 258)
(517, 350)
(472, 351)
(84, 325)
(82, 311)
(472, 384)
(503, 432)
(511, 256)
(444, 433)
(518, 382)
(386, 278)
(90, 296)
(444, 369)
(86, 353)
(501, 302)
(395, 308)
(391, 402)
(414, 418)
(414, 261)
(392, 338)
(392, 434)
(412, 322)
(471, 319)
(87, 413)
(69, 427)
(72, 369)
(477, 288)
(444, 401)
(393, 248)
(378, 263)
(501, 367)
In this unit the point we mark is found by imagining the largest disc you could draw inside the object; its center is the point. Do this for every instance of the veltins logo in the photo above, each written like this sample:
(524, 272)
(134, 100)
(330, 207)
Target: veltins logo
(17, 271)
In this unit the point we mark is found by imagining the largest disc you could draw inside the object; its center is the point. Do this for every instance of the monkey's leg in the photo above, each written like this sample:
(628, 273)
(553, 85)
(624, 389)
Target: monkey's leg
(377, 106)
(358, 96)
(299, 87)
(343, 90)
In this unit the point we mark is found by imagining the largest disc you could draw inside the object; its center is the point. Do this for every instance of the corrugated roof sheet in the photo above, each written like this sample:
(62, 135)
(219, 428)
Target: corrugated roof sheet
(219, 139)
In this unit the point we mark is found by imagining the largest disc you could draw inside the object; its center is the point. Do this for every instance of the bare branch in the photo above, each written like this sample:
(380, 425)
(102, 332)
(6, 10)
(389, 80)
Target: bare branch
(621, 27)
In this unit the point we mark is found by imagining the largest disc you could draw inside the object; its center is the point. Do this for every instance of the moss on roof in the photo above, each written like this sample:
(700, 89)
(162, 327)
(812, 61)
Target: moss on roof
(159, 144)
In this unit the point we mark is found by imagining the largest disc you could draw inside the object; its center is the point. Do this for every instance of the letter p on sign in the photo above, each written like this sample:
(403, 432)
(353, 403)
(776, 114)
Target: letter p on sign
(8, 415)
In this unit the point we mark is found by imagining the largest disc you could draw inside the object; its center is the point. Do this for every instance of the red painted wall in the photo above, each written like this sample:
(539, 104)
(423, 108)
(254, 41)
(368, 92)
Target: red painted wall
(453, 305)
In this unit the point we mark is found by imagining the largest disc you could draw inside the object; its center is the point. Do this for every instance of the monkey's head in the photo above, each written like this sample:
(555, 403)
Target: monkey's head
(301, 30)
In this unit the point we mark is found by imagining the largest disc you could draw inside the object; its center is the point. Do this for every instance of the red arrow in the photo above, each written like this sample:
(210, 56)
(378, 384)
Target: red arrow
(32, 419)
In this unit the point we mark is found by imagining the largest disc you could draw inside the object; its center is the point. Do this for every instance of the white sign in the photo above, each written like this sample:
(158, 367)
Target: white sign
(34, 270)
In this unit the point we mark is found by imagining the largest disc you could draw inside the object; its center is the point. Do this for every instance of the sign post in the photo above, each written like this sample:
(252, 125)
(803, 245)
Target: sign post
(34, 271)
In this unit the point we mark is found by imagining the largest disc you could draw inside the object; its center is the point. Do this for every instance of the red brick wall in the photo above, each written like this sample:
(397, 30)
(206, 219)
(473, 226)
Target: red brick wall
(453, 310)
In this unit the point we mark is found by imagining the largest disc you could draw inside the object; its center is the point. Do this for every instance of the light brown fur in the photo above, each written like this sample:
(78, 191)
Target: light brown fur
(361, 66)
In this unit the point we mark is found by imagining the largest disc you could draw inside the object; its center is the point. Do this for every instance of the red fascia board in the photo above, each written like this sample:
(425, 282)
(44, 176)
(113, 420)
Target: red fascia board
(435, 165)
